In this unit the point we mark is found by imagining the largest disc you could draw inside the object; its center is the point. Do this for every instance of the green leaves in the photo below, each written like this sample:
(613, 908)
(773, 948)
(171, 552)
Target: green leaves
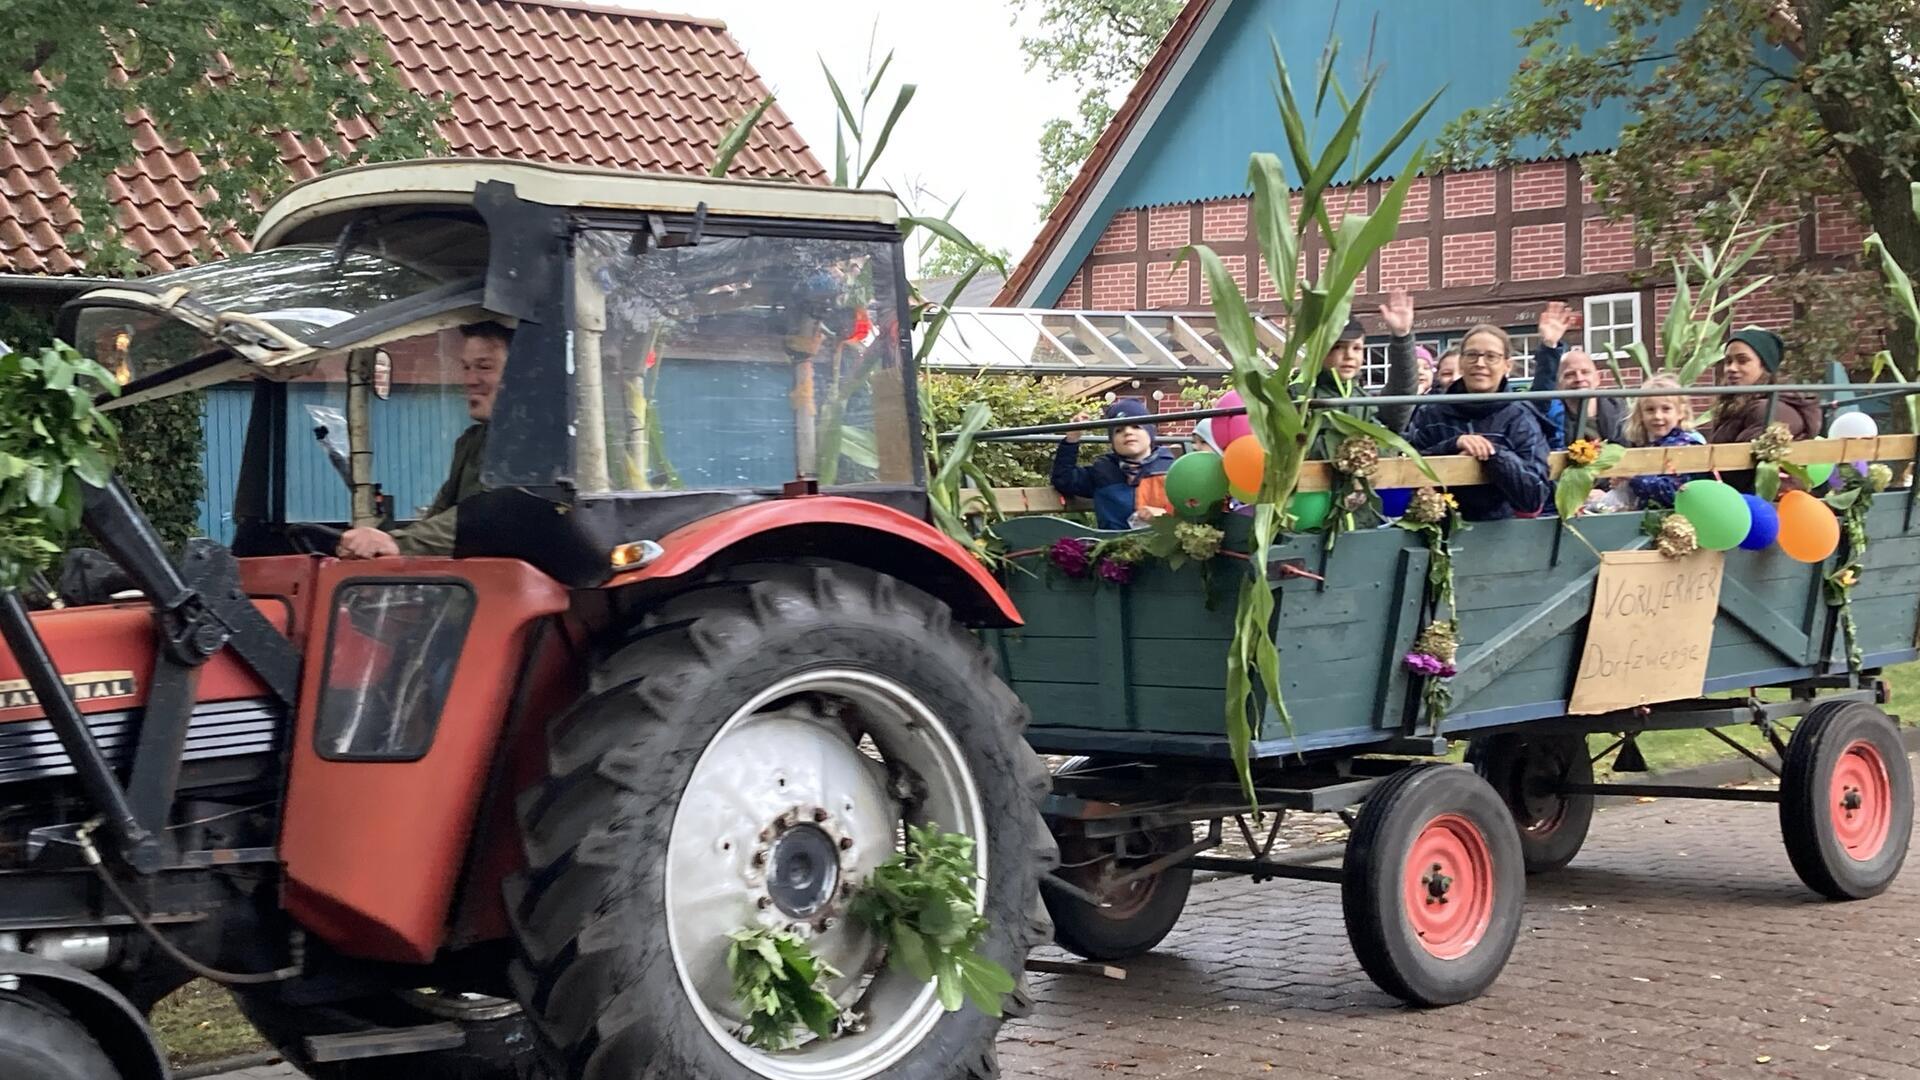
(52, 440)
(1576, 482)
(222, 79)
(1277, 387)
(922, 902)
(736, 138)
(782, 987)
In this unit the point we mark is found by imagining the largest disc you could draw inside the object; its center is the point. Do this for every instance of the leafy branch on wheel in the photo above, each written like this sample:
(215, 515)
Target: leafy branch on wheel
(922, 901)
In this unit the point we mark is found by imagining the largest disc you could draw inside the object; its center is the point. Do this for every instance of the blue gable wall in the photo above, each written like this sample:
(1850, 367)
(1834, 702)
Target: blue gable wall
(1224, 109)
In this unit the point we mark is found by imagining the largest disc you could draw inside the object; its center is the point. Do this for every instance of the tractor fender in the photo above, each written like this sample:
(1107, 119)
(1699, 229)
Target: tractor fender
(106, 1014)
(848, 530)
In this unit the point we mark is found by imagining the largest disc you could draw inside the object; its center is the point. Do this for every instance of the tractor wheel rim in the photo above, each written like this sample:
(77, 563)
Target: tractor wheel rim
(781, 776)
(1860, 798)
(1448, 886)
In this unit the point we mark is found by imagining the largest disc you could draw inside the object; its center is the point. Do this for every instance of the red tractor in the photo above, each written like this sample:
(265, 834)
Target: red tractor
(670, 652)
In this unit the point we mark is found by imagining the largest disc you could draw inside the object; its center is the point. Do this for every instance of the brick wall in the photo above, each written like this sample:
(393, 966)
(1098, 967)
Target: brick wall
(1168, 285)
(1225, 220)
(1404, 264)
(1419, 201)
(1540, 186)
(1466, 258)
(1539, 251)
(1606, 246)
(1074, 296)
(1837, 226)
(1470, 194)
(1123, 234)
(1115, 287)
(1169, 227)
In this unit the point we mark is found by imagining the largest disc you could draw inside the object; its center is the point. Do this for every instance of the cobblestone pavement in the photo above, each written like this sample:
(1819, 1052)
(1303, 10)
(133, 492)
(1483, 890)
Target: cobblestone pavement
(1680, 943)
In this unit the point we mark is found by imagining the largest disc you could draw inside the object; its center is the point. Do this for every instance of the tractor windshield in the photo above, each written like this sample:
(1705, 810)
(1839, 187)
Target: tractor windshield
(740, 362)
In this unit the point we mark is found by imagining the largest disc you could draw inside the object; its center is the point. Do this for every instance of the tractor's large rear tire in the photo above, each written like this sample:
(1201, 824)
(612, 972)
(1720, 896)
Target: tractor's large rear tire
(39, 1042)
(497, 1047)
(725, 772)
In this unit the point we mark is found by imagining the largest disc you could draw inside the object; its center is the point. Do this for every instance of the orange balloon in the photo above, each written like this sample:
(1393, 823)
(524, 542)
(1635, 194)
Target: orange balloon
(1809, 531)
(1246, 463)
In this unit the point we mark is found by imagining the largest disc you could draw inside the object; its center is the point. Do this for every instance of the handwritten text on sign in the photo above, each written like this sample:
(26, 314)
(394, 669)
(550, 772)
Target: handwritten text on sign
(1651, 630)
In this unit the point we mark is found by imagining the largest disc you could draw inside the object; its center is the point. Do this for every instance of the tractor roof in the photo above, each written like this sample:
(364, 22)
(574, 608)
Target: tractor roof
(451, 182)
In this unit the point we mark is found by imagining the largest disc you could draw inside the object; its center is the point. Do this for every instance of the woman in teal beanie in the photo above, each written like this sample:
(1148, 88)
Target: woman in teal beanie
(1753, 358)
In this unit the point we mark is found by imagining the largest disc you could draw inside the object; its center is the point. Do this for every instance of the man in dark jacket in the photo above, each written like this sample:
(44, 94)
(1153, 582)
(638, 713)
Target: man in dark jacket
(1504, 436)
(1556, 367)
(1129, 479)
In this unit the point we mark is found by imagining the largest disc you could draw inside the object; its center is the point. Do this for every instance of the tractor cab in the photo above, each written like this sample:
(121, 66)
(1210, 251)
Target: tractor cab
(678, 347)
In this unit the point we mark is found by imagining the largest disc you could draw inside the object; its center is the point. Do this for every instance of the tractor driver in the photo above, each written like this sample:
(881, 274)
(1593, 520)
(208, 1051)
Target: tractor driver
(483, 358)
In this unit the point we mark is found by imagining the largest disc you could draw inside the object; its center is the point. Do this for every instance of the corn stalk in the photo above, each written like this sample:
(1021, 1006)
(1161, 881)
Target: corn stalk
(1277, 387)
(1901, 286)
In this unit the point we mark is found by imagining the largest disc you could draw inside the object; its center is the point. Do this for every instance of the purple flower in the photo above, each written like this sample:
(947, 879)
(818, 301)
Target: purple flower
(1070, 555)
(1431, 666)
(1114, 571)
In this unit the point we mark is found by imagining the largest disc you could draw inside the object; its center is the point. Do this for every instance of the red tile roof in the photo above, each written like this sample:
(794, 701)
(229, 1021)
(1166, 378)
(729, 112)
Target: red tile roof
(1053, 230)
(547, 80)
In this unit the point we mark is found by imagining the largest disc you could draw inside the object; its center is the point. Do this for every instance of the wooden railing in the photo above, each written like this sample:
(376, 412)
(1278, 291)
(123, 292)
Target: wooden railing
(1459, 471)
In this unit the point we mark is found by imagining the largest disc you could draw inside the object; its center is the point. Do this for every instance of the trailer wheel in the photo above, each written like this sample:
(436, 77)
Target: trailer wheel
(40, 1042)
(747, 760)
(1433, 885)
(1846, 800)
(1138, 920)
(1524, 771)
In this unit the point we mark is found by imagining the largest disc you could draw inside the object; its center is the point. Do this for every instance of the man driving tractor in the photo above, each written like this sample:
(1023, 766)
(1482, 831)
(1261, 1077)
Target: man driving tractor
(483, 358)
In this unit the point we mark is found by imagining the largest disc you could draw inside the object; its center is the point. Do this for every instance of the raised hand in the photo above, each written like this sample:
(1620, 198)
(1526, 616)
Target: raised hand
(1397, 313)
(1555, 321)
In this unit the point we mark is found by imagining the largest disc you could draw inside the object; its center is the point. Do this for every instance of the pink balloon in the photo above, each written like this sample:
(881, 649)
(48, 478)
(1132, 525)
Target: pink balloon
(1228, 428)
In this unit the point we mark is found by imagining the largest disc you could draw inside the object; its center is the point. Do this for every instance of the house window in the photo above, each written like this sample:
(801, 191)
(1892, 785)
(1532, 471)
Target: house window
(1613, 323)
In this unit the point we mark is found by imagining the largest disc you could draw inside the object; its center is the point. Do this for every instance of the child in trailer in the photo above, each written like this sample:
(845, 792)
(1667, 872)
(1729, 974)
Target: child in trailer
(1653, 421)
(1128, 485)
(1504, 436)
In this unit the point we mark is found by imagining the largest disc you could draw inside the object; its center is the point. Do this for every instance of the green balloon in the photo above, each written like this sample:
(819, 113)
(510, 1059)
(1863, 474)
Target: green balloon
(1820, 473)
(1720, 517)
(1196, 483)
(1310, 508)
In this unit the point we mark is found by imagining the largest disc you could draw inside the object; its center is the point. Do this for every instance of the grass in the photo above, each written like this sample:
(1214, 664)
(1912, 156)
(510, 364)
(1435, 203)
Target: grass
(199, 1023)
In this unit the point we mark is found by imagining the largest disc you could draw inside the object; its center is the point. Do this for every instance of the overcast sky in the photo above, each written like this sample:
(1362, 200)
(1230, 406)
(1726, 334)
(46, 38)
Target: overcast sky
(974, 123)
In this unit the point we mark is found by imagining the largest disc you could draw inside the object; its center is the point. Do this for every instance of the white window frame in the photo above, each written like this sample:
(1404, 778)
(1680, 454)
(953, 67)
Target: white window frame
(1589, 326)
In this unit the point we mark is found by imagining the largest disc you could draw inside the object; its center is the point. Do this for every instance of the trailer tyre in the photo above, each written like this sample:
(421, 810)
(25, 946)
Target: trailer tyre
(1522, 770)
(725, 771)
(1846, 800)
(1138, 920)
(1434, 885)
(39, 1042)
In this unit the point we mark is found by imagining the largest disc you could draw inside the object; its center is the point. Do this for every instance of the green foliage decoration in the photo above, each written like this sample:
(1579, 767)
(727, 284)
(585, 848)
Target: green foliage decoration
(1277, 387)
(783, 987)
(1013, 402)
(922, 903)
(225, 79)
(53, 439)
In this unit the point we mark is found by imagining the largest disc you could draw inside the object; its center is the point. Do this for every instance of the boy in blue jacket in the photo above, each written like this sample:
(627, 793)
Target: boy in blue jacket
(1128, 480)
(1504, 436)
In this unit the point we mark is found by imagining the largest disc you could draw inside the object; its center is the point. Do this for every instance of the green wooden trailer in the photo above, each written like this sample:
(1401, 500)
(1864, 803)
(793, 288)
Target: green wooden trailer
(1126, 683)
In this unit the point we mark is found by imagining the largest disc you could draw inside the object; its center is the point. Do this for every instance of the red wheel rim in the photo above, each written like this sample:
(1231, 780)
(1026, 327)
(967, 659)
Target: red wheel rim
(1449, 886)
(1860, 797)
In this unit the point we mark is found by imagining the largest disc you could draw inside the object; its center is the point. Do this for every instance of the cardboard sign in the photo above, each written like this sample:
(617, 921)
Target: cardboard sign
(1650, 631)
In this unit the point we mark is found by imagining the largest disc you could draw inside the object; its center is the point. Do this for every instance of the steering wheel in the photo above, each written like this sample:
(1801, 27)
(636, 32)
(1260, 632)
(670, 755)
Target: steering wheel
(312, 538)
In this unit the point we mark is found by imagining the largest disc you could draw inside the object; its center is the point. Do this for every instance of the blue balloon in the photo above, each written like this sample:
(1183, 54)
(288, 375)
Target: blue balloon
(1394, 501)
(1766, 524)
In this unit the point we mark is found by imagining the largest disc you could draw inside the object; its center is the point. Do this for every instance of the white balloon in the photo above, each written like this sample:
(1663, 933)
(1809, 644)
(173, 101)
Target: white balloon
(1853, 425)
(1204, 432)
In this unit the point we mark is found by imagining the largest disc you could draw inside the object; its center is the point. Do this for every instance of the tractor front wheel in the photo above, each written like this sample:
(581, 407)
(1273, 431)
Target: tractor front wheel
(744, 763)
(40, 1042)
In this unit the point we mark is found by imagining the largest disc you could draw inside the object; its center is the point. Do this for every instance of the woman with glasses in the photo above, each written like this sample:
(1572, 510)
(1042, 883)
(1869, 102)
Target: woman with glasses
(1503, 435)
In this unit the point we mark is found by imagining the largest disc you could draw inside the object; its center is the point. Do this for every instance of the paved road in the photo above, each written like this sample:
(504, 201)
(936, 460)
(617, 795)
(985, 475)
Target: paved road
(1678, 944)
